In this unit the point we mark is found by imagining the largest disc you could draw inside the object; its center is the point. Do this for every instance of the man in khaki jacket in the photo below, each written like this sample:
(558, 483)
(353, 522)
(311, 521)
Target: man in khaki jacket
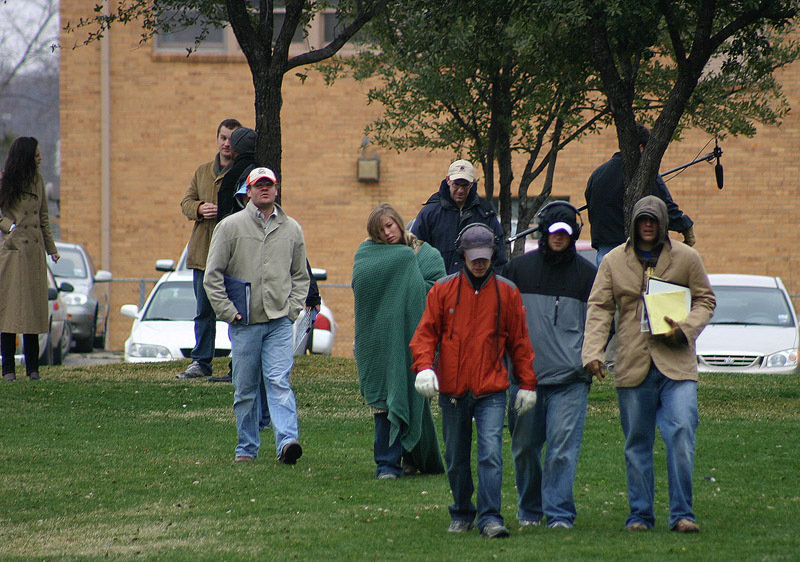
(199, 204)
(656, 376)
(260, 246)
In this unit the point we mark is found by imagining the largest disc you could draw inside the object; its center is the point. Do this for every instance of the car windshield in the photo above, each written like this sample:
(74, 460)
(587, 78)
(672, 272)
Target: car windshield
(71, 264)
(173, 300)
(761, 306)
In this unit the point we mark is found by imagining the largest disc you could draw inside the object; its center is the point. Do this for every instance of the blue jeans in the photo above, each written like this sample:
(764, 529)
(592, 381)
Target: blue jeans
(672, 407)
(263, 350)
(601, 253)
(388, 457)
(205, 324)
(557, 419)
(457, 414)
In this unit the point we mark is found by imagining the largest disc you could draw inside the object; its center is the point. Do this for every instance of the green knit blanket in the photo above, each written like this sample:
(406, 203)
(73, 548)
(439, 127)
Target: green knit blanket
(390, 283)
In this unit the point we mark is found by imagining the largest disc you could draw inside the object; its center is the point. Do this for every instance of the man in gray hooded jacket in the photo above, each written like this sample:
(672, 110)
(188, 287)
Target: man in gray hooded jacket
(555, 283)
(656, 375)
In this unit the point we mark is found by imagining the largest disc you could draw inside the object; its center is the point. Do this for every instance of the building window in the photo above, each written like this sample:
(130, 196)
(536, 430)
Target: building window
(182, 38)
(222, 41)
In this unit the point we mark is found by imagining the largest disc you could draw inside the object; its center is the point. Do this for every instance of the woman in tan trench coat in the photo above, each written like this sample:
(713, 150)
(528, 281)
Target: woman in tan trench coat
(25, 234)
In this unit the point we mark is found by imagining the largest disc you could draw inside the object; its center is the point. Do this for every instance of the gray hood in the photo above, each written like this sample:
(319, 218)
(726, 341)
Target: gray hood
(650, 205)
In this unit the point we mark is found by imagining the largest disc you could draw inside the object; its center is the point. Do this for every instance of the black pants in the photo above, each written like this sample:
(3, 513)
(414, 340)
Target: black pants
(8, 347)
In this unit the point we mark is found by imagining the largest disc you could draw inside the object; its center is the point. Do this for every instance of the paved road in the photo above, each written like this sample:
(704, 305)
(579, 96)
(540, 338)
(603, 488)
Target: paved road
(96, 357)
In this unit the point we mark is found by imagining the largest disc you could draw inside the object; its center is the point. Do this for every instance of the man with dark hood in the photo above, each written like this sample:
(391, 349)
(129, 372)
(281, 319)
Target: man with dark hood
(455, 206)
(555, 283)
(243, 154)
(656, 375)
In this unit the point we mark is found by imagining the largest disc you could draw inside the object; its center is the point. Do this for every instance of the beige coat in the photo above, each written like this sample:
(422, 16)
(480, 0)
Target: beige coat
(23, 271)
(203, 189)
(272, 261)
(619, 286)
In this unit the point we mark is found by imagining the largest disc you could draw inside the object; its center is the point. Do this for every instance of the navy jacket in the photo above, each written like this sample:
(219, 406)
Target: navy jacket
(440, 220)
(555, 293)
(605, 198)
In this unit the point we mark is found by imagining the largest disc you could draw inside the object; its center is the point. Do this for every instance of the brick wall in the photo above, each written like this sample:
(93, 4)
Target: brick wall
(164, 115)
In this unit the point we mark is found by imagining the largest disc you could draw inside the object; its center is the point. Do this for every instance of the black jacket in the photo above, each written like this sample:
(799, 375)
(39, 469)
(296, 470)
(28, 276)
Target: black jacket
(555, 290)
(440, 221)
(605, 198)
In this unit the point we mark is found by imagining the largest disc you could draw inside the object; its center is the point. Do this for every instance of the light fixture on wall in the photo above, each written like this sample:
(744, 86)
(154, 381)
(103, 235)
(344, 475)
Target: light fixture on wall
(368, 169)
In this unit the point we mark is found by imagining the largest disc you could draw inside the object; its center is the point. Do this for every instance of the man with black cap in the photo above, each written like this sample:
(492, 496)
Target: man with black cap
(605, 201)
(199, 204)
(243, 160)
(472, 320)
(655, 375)
(452, 208)
(555, 283)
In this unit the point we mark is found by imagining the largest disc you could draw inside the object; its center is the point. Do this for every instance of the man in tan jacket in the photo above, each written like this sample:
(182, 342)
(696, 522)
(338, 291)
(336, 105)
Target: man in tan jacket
(263, 248)
(199, 204)
(655, 376)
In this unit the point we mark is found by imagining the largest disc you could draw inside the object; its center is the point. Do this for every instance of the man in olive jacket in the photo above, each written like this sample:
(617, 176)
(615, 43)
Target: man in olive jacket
(199, 204)
(656, 376)
(263, 247)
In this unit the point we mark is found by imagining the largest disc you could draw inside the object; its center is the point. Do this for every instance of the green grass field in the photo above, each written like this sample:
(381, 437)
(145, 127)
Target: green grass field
(122, 461)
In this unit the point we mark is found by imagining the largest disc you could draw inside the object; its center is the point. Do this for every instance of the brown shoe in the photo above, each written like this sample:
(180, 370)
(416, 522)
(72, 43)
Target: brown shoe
(243, 458)
(9, 377)
(291, 452)
(686, 526)
(34, 376)
(636, 527)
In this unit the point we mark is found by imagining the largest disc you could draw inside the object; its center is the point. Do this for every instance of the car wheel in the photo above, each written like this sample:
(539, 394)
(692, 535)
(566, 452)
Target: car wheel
(85, 345)
(61, 350)
(47, 356)
(100, 339)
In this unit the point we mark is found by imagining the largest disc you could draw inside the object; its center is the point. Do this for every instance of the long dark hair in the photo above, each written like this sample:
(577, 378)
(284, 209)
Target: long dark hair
(19, 170)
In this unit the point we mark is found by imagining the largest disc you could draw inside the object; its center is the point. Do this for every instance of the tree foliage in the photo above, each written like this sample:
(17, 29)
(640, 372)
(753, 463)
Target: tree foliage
(264, 39)
(673, 63)
(488, 80)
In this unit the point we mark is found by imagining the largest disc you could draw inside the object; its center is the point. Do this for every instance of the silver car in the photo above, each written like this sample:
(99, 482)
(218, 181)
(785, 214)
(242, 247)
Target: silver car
(88, 305)
(753, 330)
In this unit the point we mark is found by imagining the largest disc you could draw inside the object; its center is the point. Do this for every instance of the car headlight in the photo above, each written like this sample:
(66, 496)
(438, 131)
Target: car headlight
(149, 351)
(785, 358)
(75, 298)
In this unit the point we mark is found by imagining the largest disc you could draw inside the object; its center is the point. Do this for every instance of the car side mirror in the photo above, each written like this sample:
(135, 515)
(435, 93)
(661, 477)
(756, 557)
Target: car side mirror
(129, 310)
(52, 293)
(165, 265)
(103, 276)
(66, 287)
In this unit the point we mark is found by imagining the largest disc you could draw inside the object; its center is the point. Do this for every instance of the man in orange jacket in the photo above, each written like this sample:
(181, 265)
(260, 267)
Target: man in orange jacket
(475, 318)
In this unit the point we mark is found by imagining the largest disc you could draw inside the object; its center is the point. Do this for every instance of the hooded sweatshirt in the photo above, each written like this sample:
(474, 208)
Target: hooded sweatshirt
(619, 285)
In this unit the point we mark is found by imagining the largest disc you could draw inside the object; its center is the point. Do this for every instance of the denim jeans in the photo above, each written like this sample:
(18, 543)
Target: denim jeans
(263, 350)
(672, 407)
(457, 414)
(262, 395)
(388, 457)
(557, 419)
(601, 252)
(205, 324)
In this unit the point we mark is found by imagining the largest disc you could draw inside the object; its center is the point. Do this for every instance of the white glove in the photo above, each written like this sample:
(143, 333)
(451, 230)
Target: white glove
(426, 383)
(526, 400)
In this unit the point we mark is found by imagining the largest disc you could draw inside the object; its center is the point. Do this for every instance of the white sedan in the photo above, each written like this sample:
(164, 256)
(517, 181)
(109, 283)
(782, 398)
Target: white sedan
(754, 328)
(163, 330)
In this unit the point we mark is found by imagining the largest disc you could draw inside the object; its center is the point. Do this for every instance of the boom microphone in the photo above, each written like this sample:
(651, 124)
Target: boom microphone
(718, 167)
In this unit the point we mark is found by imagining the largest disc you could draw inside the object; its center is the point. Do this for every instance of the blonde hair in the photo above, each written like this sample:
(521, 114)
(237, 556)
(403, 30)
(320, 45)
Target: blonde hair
(374, 224)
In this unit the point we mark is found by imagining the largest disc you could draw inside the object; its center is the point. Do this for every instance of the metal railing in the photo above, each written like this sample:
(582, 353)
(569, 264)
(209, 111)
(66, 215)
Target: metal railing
(142, 281)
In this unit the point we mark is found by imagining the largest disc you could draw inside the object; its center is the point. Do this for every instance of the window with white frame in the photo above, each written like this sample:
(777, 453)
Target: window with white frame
(221, 41)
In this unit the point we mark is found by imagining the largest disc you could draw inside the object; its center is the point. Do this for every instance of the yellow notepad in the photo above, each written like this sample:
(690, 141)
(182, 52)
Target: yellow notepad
(659, 305)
